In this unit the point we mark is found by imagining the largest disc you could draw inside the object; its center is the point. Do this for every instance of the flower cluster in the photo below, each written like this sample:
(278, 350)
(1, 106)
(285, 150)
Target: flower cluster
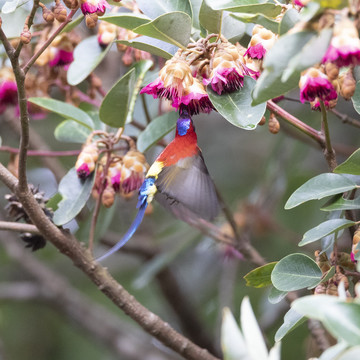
(115, 173)
(344, 49)
(219, 65)
(92, 9)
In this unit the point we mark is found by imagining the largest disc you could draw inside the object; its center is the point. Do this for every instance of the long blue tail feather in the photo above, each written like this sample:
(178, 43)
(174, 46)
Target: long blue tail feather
(137, 221)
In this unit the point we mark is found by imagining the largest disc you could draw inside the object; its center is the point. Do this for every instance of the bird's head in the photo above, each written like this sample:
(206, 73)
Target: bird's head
(184, 124)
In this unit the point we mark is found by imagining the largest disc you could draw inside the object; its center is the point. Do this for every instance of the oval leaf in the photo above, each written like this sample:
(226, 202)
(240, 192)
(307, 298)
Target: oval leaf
(339, 203)
(115, 105)
(341, 319)
(290, 18)
(71, 131)
(260, 19)
(351, 165)
(156, 130)
(275, 295)
(174, 28)
(261, 276)
(292, 320)
(294, 272)
(156, 8)
(75, 194)
(126, 20)
(88, 54)
(319, 187)
(151, 45)
(11, 6)
(326, 228)
(236, 107)
(65, 110)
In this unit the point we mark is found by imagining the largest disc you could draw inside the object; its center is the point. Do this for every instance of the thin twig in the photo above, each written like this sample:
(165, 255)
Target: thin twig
(346, 119)
(18, 227)
(306, 129)
(41, 153)
(50, 39)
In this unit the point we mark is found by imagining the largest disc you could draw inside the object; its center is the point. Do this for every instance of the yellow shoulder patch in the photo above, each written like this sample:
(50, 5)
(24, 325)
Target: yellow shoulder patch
(155, 169)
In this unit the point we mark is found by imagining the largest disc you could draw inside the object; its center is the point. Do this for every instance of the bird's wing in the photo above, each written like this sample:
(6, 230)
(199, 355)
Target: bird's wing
(186, 188)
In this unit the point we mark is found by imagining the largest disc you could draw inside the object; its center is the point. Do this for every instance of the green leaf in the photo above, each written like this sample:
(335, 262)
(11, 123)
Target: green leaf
(260, 19)
(328, 275)
(115, 106)
(339, 203)
(196, 5)
(88, 54)
(173, 27)
(269, 84)
(156, 8)
(209, 18)
(275, 295)
(332, 4)
(141, 68)
(246, 6)
(341, 319)
(72, 24)
(326, 228)
(254, 339)
(350, 354)
(126, 20)
(261, 276)
(333, 352)
(151, 45)
(319, 187)
(294, 272)
(290, 18)
(233, 29)
(232, 341)
(11, 6)
(156, 130)
(13, 23)
(312, 53)
(236, 107)
(292, 320)
(75, 194)
(71, 131)
(65, 110)
(356, 98)
(350, 165)
(54, 201)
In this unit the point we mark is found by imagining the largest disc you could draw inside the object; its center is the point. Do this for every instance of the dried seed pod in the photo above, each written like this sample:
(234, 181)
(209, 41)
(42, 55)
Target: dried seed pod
(347, 85)
(60, 12)
(91, 20)
(25, 36)
(273, 124)
(344, 260)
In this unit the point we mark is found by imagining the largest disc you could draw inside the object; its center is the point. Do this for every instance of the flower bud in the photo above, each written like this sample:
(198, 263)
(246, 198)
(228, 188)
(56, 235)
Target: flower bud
(320, 289)
(356, 239)
(48, 15)
(60, 12)
(331, 70)
(262, 121)
(91, 20)
(25, 36)
(332, 289)
(273, 124)
(108, 197)
(347, 85)
(86, 160)
(322, 261)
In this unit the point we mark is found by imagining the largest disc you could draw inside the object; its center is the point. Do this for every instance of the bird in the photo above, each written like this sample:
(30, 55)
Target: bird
(179, 180)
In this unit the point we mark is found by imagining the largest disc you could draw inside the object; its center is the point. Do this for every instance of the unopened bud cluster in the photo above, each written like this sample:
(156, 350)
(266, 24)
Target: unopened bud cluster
(115, 174)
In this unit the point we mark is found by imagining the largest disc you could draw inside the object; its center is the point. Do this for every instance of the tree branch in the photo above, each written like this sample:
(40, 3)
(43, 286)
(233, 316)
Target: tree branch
(19, 227)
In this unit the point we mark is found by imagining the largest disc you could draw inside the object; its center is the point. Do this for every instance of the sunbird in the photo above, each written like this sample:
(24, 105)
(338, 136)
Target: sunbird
(178, 180)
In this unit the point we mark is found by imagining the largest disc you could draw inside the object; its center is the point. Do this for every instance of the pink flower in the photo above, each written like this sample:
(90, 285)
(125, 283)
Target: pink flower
(313, 83)
(195, 100)
(157, 89)
(94, 6)
(61, 57)
(256, 52)
(8, 94)
(83, 171)
(224, 80)
(343, 51)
